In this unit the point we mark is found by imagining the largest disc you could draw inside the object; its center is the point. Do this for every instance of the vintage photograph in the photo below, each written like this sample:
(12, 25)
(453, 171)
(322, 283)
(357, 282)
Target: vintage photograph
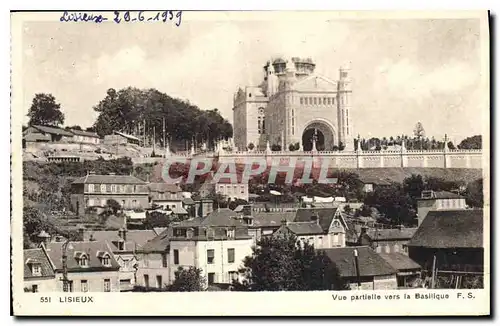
(181, 151)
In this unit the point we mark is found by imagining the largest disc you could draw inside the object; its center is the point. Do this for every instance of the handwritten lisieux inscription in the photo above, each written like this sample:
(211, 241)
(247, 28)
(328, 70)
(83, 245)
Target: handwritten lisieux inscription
(124, 17)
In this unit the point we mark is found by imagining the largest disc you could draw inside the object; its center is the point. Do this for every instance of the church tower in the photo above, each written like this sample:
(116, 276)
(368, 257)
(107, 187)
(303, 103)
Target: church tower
(344, 106)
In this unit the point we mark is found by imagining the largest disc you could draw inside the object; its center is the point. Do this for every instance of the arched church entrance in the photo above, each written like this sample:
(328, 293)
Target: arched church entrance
(323, 134)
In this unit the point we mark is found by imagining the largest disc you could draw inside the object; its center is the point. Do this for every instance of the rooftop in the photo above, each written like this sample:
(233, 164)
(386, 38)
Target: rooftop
(304, 228)
(163, 187)
(94, 250)
(450, 229)
(400, 261)
(53, 130)
(430, 195)
(84, 133)
(37, 256)
(325, 216)
(135, 238)
(109, 179)
(370, 263)
(391, 234)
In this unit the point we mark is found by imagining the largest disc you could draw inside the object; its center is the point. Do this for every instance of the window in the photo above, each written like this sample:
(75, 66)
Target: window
(164, 260)
(90, 202)
(328, 101)
(103, 188)
(146, 280)
(36, 270)
(113, 188)
(210, 256)
(83, 261)
(107, 285)
(176, 257)
(68, 287)
(230, 255)
(123, 203)
(34, 288)
(121, 245)
(84, 286)
(103, 202)
(106, 261)
(396, 248)
(324, 101)
(333, 100)
(301, 100)
(91, 188)
(315, 101)
(134, 203)
(230, 233)
(242, 189)
(158, 281)
(211, 278)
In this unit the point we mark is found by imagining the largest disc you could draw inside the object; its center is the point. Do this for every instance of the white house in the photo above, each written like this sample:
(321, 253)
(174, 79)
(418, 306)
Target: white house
(322, 227)
(216, 244)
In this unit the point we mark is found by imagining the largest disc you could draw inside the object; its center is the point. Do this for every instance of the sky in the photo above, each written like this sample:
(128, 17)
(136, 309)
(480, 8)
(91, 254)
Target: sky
(403, 70)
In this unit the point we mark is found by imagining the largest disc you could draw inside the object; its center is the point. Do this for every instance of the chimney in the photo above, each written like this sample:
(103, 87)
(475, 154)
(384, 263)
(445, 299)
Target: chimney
(189, 233)
(247, 210)
(81, 232)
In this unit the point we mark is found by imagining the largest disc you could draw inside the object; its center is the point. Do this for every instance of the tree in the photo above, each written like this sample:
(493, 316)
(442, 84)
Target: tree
(281, 263)
(413, 185)
(419, 131)
(188, 280)
(450, 145)
(251, 146)
(156, 219)
(474, 142)
(45, 111)
(397, 205)
(113, 205)
(474, 194)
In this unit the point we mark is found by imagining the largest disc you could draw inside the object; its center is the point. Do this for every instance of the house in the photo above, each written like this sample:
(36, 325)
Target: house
(230, 189)
(217, 244)
(386, 240)
(124, 245)
(362, 268)
(95, 190)
(165, 195)
(153, 261)
(91, 266)
(262, 224)
(39, 275)
(408, 270)
(371, 183)
(330, 229)
(450, 239)
(85, 137)
(438, 200)
(189, 205)
(120, 138)
(55, 134)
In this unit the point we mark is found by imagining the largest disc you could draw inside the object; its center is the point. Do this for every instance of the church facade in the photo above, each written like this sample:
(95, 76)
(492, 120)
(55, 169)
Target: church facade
(294, 108)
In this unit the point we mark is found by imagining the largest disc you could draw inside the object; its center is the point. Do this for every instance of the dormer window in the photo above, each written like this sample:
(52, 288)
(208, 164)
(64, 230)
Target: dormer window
(105, 258)
(230, 233)
(35, 266)
(121, 245)
(82, 259)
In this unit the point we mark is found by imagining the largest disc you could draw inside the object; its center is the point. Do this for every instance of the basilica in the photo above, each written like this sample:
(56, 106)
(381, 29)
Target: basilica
(294, 108)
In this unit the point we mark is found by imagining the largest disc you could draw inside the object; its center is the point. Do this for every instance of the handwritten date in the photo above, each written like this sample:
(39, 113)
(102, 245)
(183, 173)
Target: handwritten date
(122, 17)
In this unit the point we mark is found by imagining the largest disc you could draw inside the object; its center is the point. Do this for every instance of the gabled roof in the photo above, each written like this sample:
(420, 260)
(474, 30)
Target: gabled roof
(37, 256)
(163, 187)
(400, 261)
(304, 228)
(109, 179)
(222, 217)
(450, 229)
(158, 243)
(188, 201)
(84, 133)
(441, 195)
(90, 248)
(391, 234)
(135, 238)
(53, 130)
(370, 263)
(126, 135)
(325, 216)
(34, 136)
(271, 219)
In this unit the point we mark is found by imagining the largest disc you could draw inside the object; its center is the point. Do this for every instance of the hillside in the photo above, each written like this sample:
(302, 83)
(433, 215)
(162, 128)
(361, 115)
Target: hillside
(399, 174)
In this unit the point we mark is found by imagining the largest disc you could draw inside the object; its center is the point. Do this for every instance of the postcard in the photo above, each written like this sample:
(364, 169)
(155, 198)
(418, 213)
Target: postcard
(229, 163)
